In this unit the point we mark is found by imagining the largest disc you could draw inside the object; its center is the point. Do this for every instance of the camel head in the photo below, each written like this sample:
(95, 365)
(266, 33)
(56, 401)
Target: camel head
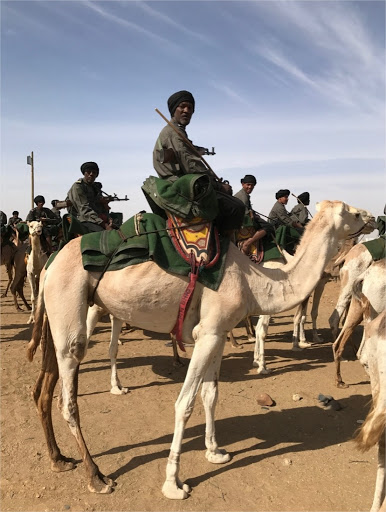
(35, 227)
(349, 221)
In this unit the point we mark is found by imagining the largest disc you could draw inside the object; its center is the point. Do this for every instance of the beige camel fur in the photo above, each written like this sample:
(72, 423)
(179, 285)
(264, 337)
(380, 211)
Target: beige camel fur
(36, 261)
(356, 262)
(298, 337)
(147, 296)
(94, 314)
(372, 355)
(13, 257)
(373, 285)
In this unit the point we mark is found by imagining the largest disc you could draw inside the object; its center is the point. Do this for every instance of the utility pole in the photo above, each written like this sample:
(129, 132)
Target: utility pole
(30, 161)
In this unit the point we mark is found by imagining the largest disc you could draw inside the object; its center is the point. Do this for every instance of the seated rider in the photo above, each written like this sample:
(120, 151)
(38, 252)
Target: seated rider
(279, 215)
(300, 211)
(15, 219)
(48, 219)
(173, 157)
(87, 202)
(261, 227)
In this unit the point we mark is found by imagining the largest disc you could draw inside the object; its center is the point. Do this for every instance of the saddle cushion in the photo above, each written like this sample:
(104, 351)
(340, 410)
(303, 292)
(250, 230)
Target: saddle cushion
(153, 244)
(376, 248)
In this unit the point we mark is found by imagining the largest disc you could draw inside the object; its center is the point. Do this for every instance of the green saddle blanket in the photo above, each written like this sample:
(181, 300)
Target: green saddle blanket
(107, 248)
(286, 237)
(376, 248)
(191, 195)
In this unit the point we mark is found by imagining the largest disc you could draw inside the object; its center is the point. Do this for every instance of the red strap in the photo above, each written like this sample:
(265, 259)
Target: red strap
(184, 304)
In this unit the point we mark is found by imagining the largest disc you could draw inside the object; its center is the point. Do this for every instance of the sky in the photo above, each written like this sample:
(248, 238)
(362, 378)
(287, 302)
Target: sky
(290, 91)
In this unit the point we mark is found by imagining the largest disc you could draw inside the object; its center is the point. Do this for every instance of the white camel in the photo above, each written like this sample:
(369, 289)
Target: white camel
(298, 337)
(36, 261)
(373, 285)
(147, 296)
(372, 355)
(355, 263)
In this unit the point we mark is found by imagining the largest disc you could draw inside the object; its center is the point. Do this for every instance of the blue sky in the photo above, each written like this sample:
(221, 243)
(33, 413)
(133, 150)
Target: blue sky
(292, 92)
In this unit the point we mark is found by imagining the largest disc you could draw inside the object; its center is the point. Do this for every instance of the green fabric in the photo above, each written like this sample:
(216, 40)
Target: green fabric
(7, 232)
(190, 196)
(376, 248)
(98, 248)
(286, 237)
(381, 224)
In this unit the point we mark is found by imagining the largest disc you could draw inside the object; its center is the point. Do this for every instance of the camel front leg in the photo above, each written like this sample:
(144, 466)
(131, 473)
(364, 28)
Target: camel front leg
(261, 333)
(34, 293)
(116, 327)
(299, 336)
(207, 352)
(209, 394)
(379, 501)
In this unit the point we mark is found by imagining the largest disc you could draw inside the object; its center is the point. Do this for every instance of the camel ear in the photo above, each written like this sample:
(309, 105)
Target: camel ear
(28, 223)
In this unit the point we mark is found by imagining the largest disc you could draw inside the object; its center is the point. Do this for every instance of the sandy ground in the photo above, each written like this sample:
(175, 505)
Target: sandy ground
(294, 456)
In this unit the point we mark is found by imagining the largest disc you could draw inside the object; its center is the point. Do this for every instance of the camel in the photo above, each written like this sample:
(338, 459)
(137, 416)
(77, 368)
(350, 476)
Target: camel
(373, 283)
(36, 261)
(298, 337)
(356, 262)
(147, 296)
(372, 355)
(13, 257)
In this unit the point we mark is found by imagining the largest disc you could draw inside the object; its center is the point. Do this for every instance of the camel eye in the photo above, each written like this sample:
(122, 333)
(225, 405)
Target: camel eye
(357, 215)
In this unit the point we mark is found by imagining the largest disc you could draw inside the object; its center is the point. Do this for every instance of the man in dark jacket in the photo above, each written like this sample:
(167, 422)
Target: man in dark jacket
(173, 157)
(279, 215)
(300, 212)
(48, 219)
(262, 227)
(88, 204)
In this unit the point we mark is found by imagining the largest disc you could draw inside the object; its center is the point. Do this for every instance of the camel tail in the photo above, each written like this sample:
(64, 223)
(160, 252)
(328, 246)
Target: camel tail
(374, 426)
(38, 327)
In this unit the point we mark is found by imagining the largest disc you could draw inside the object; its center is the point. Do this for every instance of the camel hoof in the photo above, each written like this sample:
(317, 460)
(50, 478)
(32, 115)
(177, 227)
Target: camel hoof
(342, 385)
(220, 456)
(63, 464)
(304, 344)
(175, 490)
(263, 371)
(251, 339)
(120, 342)
(3, 295)
(101, 484)
(117, 390)
(236, 345)
(296, 348)
(30, 320)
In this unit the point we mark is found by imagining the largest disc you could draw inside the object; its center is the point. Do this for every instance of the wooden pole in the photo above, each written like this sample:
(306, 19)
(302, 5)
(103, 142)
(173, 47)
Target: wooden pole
(32, 180)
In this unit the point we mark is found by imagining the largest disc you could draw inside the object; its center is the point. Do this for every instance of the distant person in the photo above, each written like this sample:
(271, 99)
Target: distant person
(279, 215)
(88, 204)
(173, 158)
(3, 219)
(54, 209)
(300, 211)
(48, 219)
(262, 227)
(15, 219)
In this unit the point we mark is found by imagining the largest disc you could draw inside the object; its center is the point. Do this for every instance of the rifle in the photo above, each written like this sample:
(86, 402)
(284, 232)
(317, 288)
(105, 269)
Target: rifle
(106, 198)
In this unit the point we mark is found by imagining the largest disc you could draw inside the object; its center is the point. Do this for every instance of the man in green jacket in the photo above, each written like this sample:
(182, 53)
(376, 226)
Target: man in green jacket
(173, 158)
(88, 204)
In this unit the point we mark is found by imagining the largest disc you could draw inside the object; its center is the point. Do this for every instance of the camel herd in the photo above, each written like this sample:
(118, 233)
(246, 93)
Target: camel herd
(148, 297)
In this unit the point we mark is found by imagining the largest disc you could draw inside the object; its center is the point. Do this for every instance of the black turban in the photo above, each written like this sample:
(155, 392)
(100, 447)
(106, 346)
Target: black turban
(39, 199)
(177, 98)
(89, 166)
(282, 193)
(249, 178)
(304, 198)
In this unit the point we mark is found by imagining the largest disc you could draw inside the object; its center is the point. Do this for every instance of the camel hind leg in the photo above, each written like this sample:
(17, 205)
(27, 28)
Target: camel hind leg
(43, 394)
(259, 355)
(68, 365)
